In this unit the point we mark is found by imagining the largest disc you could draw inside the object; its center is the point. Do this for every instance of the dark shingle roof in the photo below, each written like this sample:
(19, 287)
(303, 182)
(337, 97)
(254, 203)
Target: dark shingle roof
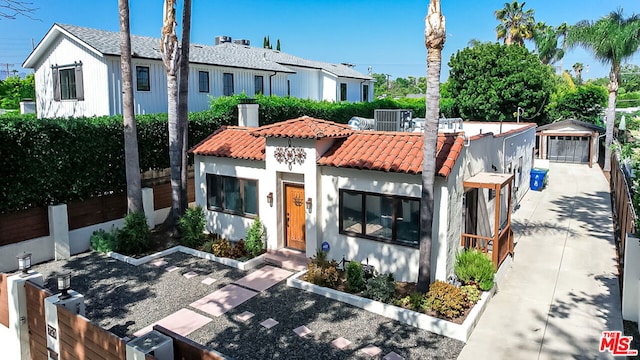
(227, 54)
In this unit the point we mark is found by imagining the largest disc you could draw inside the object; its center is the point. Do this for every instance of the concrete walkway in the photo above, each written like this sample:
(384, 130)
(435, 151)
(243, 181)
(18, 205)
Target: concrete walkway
(562, 290)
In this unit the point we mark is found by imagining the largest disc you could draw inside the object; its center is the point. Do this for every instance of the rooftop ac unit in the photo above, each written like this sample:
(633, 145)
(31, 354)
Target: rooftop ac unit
(222, 39)
(392, 119)
(244, 42)
(153, 343)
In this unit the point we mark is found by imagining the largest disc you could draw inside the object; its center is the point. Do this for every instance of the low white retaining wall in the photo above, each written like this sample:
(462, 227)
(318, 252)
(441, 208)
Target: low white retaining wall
(439, 326)
(242, 265)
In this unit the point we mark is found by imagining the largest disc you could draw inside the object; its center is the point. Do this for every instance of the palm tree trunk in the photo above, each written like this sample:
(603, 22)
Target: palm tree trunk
(171, 58)
(183, 97)
(132, 162)
(434, 41)
(611, 116)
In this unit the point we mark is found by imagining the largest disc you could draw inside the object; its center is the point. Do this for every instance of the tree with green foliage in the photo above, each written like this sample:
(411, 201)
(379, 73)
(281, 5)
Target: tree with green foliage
(278, 45)
(630, 77)
(611, 39)
(577, 69)
(516, 24)
(585, 103)
(546, 38)
(490, 81)
(14, 89)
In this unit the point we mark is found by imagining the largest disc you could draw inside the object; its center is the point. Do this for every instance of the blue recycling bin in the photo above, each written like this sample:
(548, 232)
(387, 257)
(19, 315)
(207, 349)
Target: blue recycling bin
(537, 181)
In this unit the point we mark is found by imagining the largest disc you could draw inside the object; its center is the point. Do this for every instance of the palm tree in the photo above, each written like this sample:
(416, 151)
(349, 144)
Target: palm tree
(171, 58)
(577, 69)
(516, 25)
(611, 39)
(183, 96)
(434, 38)
(132, 162)
(562, 30)
(546, 42)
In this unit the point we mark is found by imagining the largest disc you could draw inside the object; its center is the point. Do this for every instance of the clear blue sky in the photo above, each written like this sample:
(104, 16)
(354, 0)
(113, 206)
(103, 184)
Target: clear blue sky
(387, 35)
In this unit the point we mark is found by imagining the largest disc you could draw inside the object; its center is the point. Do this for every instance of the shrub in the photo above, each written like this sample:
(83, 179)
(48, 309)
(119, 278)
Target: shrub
(255, 238)
(474, 267)
(471, 294)
(207, 245)
(322, 272)
(355, 277)
(414, 301)
(133, 238)
(103, 241)
(380, 288)
(191, 226)
(238, 250)
(221, 247)
(445, 299)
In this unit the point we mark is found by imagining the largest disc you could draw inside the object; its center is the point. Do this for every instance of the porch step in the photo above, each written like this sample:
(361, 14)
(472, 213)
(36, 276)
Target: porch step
(287, 259)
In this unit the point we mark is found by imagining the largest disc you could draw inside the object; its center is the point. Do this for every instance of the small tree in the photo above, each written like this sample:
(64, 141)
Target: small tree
(254, 244)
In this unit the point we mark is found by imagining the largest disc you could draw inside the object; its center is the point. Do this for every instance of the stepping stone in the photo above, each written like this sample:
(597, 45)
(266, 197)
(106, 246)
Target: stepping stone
(245, 316)
(264, 278)
(172, 268)
(159, 262)
(269, 323)
(223, 300)
(183, 322)
(371, 350)
(341, 343)
(392, 356)
(208, 281)
(302, 331)
(190, 274)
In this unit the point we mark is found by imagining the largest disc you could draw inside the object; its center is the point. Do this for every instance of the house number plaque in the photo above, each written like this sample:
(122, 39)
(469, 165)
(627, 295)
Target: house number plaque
(51, 331)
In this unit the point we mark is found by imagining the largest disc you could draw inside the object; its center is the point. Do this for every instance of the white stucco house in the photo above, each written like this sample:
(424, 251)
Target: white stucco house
(313, 181)
(77, 73)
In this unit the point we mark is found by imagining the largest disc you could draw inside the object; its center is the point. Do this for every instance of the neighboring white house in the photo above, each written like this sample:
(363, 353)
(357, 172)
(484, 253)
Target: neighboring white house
(77, 73)
(315, 182)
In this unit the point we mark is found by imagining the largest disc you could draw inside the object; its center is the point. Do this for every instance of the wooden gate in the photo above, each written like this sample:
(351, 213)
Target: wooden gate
(4, 301)
(36, 320)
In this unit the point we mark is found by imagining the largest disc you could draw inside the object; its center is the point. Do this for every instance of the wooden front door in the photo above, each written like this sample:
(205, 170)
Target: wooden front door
(295, 217)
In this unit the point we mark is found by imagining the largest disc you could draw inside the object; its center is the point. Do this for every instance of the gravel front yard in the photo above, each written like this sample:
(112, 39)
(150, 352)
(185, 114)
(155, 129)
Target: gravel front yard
(123, 298)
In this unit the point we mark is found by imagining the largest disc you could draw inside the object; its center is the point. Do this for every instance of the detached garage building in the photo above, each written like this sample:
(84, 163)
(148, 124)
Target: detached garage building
(571, 141)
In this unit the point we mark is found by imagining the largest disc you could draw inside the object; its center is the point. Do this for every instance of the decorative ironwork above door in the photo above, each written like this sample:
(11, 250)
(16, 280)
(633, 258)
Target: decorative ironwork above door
(297, 200)
(290, 155)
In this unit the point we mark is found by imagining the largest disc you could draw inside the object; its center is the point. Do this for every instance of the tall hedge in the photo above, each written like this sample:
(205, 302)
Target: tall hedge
(48, 161)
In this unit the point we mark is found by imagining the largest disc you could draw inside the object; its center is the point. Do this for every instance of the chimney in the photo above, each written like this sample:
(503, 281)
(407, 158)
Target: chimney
(222, 39)
(248, 113)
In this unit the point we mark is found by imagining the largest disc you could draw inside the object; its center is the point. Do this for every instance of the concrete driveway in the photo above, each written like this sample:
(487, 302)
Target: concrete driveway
(562, 290)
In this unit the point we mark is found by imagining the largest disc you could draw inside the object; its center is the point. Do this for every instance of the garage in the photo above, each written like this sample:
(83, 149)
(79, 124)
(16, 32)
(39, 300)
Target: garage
(569, 141)
(573, 149)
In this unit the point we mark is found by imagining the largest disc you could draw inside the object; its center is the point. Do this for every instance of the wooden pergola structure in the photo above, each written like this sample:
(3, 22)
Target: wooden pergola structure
(502, 239)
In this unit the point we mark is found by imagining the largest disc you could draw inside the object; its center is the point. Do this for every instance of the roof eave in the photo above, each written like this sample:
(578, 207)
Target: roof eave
(56, 29)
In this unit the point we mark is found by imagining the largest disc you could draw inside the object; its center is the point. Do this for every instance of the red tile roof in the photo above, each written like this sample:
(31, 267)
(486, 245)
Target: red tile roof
(233, 142)
(304, 127)
(370, 150)
(392, 152)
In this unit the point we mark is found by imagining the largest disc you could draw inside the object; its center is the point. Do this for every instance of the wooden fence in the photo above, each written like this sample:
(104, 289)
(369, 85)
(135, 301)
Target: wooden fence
(185, 349)
(81, 339)
(24, 225)
(623, 211)
(4, 301)
(34, 223)
(623, 205)
(36, 320)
